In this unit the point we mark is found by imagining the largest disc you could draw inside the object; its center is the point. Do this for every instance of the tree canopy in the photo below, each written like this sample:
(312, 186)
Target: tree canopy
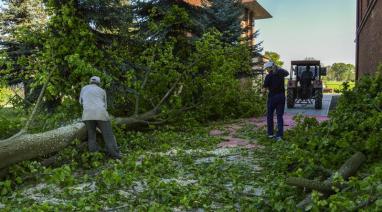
(341, 72)
(140, 49)
(275, 57)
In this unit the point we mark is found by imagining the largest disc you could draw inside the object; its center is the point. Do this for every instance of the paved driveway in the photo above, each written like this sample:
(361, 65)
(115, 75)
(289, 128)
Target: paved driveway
(309, 109)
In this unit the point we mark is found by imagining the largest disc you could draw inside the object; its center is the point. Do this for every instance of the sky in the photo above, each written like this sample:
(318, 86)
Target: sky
(322, 29)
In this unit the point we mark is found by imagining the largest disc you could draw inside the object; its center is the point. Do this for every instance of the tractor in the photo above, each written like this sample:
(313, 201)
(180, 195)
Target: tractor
(304, 84)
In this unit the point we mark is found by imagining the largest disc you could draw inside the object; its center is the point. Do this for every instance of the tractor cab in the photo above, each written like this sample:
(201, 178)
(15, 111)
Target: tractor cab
(305, 71)
(304, 84)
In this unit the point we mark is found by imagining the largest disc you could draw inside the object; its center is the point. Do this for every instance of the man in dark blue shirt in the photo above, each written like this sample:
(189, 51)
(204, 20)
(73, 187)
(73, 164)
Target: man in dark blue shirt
(274, 82)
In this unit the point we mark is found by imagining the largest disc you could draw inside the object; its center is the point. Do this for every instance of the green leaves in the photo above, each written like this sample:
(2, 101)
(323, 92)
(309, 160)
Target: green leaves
(62, 176)
(275, 57)
(157, 172)
(353, 126)
(215, 84)
(111, 178)
(5, 187)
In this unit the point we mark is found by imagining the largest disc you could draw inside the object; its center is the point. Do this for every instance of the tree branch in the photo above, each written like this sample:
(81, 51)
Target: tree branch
(39, 100)
(30, 119)
(167, 95)
(348, 169)
(311, 184)
(137, 99)
(116, 208)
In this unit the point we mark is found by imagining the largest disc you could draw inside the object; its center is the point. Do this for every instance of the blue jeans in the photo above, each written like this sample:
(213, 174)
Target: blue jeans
(276, 102)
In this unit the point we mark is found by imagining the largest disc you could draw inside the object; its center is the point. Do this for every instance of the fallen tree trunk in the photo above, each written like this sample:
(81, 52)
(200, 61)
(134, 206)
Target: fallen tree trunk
(348, 169)
(28, 146)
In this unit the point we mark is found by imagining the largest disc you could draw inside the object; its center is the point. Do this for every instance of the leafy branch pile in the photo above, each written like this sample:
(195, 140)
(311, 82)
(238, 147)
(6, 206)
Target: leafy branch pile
(315, 152)
(162, 170)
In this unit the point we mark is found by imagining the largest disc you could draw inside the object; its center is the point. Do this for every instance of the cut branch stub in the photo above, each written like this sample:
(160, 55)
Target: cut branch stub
(348, 169)
(351, 166)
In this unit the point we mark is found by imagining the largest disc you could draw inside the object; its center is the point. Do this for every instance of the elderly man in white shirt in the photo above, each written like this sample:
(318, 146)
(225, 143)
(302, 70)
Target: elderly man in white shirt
(93, 100)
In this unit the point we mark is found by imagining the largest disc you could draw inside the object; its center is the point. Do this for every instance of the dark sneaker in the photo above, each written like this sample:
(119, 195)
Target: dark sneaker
(116, 156)
(271, 136)
(119, 157)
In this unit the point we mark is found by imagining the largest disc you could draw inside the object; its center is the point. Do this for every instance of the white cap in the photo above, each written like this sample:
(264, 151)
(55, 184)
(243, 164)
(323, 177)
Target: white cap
(268, 64)
(95, 79)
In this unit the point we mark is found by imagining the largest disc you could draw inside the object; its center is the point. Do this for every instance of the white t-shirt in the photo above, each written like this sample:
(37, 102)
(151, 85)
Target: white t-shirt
(93, 100)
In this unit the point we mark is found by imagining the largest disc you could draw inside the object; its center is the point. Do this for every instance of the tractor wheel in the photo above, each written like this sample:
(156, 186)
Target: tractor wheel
(290, 98)
(318, 99)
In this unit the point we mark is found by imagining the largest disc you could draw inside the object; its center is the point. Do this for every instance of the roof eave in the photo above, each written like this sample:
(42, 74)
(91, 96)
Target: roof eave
(259, 11)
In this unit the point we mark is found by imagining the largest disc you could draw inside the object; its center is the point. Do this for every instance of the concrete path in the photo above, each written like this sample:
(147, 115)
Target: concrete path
(309, 109)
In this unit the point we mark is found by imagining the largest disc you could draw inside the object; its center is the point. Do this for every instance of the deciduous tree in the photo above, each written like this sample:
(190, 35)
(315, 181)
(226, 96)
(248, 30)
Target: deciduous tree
(275, 57)
(341, 72)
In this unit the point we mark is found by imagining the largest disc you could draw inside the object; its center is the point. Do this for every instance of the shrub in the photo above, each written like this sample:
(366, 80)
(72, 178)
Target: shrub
(355, 125)
(214, 85)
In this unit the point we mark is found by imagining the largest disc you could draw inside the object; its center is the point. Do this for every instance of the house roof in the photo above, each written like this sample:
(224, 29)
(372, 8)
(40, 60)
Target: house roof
(253, 5)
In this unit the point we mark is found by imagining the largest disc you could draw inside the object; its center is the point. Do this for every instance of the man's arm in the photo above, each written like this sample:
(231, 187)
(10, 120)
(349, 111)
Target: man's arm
(105, 99)
(80, 100)
(266, 82)
(283, 72)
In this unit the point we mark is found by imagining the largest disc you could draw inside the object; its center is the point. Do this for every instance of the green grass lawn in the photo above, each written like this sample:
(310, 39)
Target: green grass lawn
(336, 86)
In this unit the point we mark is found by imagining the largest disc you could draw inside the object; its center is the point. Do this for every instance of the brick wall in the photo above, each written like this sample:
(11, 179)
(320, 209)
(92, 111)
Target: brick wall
(369, 36)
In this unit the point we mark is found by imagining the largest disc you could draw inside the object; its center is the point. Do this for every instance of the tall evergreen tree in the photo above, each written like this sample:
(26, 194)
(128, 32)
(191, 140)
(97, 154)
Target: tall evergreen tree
(21, 23)
(225, 16)
(154, 18)
(161, 21)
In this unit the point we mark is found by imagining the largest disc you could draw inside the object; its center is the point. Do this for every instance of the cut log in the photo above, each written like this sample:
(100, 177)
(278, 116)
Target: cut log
(310, 184)
(348, 169)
